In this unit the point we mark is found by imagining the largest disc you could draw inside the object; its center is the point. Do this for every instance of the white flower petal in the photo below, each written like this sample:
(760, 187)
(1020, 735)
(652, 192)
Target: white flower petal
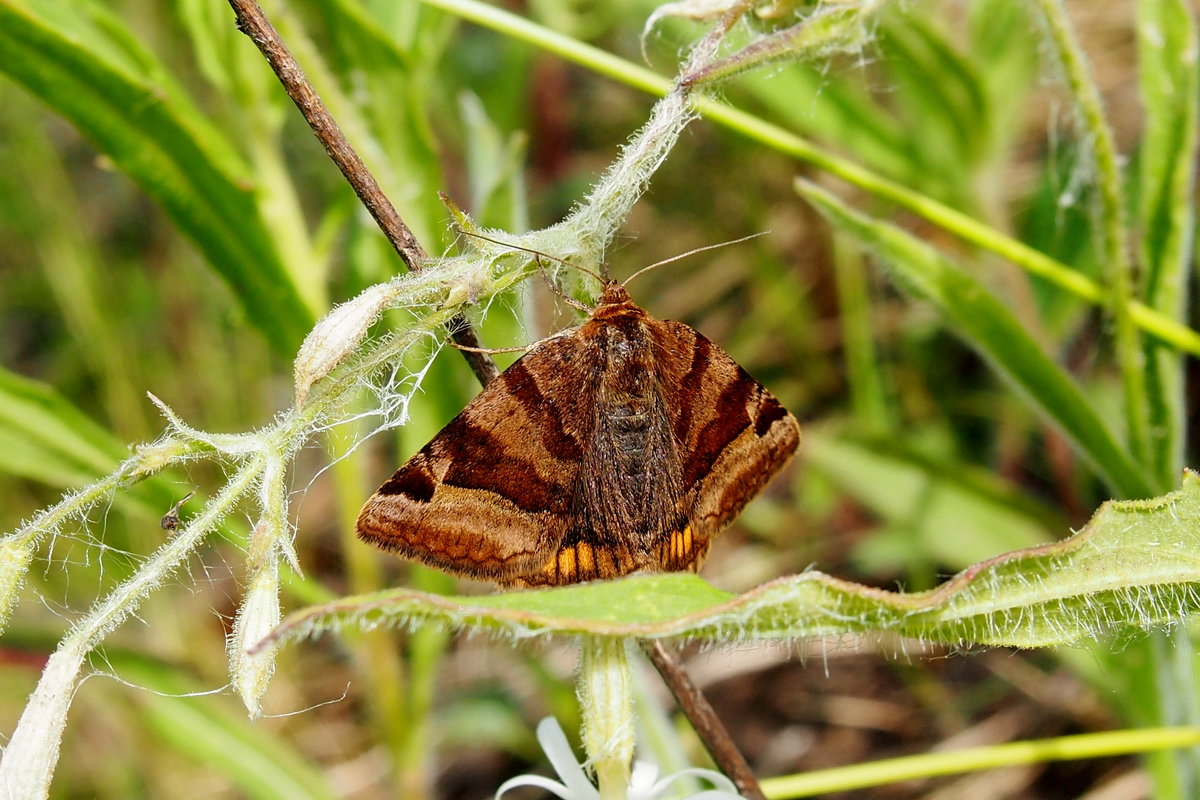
(558, 750)
(644, 777)
(725, 790)
(556, 789)
(576, 785)
(717, 779)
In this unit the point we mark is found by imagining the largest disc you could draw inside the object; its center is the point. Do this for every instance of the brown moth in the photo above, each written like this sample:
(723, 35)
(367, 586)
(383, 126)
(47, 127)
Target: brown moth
(623, 445)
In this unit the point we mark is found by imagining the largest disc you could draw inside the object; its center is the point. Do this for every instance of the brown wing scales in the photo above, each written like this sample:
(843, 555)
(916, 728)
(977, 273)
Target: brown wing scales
(733, 433)
(490, 496)
(625, 445)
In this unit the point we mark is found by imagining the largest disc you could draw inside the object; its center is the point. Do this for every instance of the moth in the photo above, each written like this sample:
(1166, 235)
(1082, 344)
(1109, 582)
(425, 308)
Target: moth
(623, 445)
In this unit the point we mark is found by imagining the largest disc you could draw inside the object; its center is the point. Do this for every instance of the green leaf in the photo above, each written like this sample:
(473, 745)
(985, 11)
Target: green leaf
(45, 438)
(986, 324)
(1135, 564)
(160, 141)
(1170, 86)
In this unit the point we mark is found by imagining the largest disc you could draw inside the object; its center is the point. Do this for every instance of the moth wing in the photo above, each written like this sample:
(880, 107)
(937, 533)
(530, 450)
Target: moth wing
(490, 497)
(732, 437)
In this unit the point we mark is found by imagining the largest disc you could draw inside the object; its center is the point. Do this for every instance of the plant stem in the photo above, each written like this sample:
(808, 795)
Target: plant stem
(1112, 222)
(928, 765)
(28, 762)
(254, 24)
(16, 548)
(606, 698)
(704, 720)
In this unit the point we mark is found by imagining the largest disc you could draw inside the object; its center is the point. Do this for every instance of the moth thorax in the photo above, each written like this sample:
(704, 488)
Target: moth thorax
(613, 293)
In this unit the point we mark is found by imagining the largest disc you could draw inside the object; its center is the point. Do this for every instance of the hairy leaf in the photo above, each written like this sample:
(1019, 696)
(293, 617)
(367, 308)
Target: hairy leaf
(1135, 564)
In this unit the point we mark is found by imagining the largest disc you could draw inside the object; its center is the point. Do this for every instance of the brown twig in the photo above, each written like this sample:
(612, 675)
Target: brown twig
(704, 719)
(252, 22)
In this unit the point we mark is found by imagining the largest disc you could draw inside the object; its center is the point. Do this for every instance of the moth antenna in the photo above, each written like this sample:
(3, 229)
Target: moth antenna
(488, 350)
(692, 253)
(566, 298)
(538, 255)
(531, 251)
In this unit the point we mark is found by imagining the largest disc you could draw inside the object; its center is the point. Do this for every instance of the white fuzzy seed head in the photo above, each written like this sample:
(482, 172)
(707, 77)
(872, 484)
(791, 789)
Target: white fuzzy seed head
(338, 335)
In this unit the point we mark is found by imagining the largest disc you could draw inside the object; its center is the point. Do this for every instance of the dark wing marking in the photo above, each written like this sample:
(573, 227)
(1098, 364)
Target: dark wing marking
(732, 434)
(490, 496)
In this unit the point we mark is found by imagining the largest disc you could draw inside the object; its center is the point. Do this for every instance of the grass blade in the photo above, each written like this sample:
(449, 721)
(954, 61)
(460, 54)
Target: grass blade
(1170, 85)
(950, 515)
(149, 134)
(988, 326)
(1112, 222)
(216, 736)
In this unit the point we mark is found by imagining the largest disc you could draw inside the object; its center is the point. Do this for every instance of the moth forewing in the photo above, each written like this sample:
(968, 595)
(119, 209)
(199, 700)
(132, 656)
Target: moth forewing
(623, 445)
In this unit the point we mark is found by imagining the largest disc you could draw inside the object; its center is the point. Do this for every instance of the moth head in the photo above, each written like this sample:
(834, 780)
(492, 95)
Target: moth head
(614, 294)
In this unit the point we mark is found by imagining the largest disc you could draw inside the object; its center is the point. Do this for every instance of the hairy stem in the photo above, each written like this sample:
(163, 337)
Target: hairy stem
(1111, 217)
(254, 24)
(606, 697)
(31, 755)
